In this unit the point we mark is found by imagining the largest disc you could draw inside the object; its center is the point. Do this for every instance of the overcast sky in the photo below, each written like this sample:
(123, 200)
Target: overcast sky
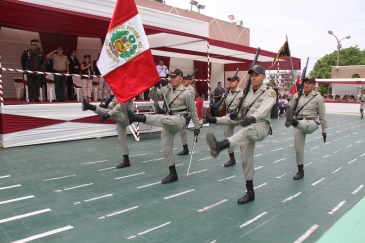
(305, 22)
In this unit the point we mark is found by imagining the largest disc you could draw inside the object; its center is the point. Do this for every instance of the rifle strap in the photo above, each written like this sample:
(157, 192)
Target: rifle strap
(301, 108)
(249, 107)
(232, 100)
(175, 97)
(166, 95)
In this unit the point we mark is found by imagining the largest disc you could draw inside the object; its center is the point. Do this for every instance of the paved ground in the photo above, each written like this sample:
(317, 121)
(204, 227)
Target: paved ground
(70, 192)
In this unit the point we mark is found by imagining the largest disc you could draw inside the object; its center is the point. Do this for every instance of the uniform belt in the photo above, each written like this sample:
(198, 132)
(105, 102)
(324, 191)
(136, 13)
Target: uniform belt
(304, 118)
(173, 111)
(57, 71)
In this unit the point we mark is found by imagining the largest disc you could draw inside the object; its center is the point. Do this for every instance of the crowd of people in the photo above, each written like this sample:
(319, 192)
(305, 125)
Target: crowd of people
(349, 98)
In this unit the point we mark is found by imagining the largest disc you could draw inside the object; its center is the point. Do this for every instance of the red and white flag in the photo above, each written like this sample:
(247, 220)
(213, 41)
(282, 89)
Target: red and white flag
(126, 61)
(294, 88)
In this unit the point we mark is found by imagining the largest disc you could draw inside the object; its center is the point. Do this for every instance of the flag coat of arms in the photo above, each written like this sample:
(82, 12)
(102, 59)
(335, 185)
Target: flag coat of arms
(126, 61)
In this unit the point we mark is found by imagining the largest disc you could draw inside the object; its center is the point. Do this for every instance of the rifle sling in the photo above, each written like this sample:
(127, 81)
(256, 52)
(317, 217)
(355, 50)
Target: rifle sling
(249, 107)
(301, 108)
(168, 92)
(232, 100)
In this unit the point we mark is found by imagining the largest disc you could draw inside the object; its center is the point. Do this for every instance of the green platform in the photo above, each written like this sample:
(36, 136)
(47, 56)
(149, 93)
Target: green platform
(74, 185)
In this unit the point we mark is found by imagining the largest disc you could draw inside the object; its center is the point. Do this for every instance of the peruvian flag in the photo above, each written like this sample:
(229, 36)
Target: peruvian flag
(126, 61)
(294, 88)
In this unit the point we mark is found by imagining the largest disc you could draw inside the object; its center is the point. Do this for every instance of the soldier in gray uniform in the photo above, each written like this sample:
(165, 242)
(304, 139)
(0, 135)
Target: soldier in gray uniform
(310, 107)
(112, 110)
(230, 102)
(187, 83)
(181, 104)
(33, 59)
(361, 98)
(255, 113)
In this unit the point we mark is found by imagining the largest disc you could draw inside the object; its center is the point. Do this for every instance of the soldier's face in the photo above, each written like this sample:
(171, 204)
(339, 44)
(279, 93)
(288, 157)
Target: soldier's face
(187, 82)
(257, 79)
(60, 52)
(233, 84)
(34, 46)
(308, 87)
(176, 81)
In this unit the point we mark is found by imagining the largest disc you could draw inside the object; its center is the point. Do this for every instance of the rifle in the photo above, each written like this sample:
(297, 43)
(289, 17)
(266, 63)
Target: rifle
(234, 114)
(191, 76)
(213, 110)
(300, 88)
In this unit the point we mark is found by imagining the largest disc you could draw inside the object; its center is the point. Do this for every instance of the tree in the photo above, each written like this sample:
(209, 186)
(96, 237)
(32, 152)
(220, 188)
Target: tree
(323, 89)
(348, 56)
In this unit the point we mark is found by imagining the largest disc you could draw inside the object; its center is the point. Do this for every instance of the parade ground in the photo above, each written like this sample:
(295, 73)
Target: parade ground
(71, 191)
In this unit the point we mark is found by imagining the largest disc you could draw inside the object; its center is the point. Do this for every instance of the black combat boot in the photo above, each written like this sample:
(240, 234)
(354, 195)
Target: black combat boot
(105, 103)
(300, 173)
(250, 194)
(207, 118)
(185, 151)
(295, 122)
(125, 163)
(172, 176)
(86, 105)
(131, 116)
(215, 146)
(289, 116)
(231, 161)
(362, 113)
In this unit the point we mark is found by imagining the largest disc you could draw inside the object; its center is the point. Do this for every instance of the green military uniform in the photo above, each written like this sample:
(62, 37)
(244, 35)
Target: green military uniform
(33, 59)
(174, 123)
(307, 120)
(184, 139)
(361, 98)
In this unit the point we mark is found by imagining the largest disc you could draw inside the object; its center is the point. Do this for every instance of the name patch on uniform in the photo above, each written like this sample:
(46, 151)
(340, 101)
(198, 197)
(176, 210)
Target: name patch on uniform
(273, 94)
(260, 100)
(192, 95)
(180, 98)
(237, 98)
(313, 102)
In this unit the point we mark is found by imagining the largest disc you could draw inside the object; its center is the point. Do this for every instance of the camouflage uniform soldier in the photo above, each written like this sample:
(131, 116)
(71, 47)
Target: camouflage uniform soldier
(361, 98)
(32, 59)
(187, 83)
(255, 111)
(113, 111)
(182, 107)
(230, 102)
(310, 107)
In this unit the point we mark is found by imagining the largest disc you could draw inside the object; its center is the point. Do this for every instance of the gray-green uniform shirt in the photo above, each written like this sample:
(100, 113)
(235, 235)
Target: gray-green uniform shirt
(361, 98)
(232, 100)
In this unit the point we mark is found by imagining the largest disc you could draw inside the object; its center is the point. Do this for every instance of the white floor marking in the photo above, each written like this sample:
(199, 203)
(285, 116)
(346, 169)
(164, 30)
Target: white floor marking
(315, 183)
(77, 202)
(314, 147)
(351, 161)
(178, 194)
(197, 171)
(96, 198)
(227, 178)
(349, 146)
(24, 215)
(276, 149)
(107, 168)
(327, 143)
(75, 187)
(336, 170)
(325, 156)
(137, 155)
(179, 164)
(263, 184)
(146, 161)
(337, 151)
(279, 160)
(257, 155)
(337, 207)
(253, 220)
(358, 141)
(259, 146)
(16, 199)
(59, 178)
(157, 227)
(258, 167)
(129, 176)
(211, 206)
(119, 212)
(205, 158)
(4, 176)
(282, 175)
(159, 182)
(362, 155)
(291, 145)
(8, 187)
(44, 234)
(358, 189)
(306, 234)
(308, 164)
(94, 162)
(289, 138)
(291, 197)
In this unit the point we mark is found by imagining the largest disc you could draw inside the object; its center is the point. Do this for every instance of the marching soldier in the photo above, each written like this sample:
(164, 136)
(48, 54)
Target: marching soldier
(255, 111)
(361, 98)
(230, 102)
(113, 111)
(179, 108)
(32, 59)
(310, 107)
(187, 83)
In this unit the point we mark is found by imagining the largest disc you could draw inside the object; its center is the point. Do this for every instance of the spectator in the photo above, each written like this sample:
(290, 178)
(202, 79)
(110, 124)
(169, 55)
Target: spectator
(74, 69)
(32, 59)
(284, 102)
(218, 92)
(48, 65)
(103, 87)
(60, 65)
(86, 83)
(330, 97)
(162, 72)
(351, 98)
(337, 97)
(288, 94)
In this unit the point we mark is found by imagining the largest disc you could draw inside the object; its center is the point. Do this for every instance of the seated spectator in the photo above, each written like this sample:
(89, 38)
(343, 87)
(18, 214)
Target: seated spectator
(337, 97)
(351, 98)
(344, 98)
(330, 97)
(282, 105)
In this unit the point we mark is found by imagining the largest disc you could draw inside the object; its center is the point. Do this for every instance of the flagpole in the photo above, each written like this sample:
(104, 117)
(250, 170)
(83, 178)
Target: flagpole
(291, 61)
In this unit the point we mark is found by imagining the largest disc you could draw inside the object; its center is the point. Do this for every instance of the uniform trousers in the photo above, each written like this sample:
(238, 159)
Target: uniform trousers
(86, 87)
(184, 138)
(246, 138)
(122, 123)
(362, 104)
(59, 85)
(304, 127)
(34, 83)
(228, 128)
(170, 126)
(103, 89)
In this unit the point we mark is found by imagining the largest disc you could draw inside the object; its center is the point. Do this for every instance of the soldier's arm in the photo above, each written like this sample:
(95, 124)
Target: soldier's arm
(156, 94)
(322, 113)
(50, 55)
(190, 105)
(22, 59)
(267, 104)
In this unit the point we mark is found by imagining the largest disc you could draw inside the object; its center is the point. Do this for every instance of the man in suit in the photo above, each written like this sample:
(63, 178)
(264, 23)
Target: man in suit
(74, 69)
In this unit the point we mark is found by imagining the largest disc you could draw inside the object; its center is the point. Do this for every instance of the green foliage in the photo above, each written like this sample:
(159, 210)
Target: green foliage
(323, 89)
(356, 75)
(348, 56)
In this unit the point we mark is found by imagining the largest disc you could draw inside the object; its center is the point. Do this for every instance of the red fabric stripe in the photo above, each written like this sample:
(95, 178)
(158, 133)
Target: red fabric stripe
(124, 10)
(133, 78)
(93, 119)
